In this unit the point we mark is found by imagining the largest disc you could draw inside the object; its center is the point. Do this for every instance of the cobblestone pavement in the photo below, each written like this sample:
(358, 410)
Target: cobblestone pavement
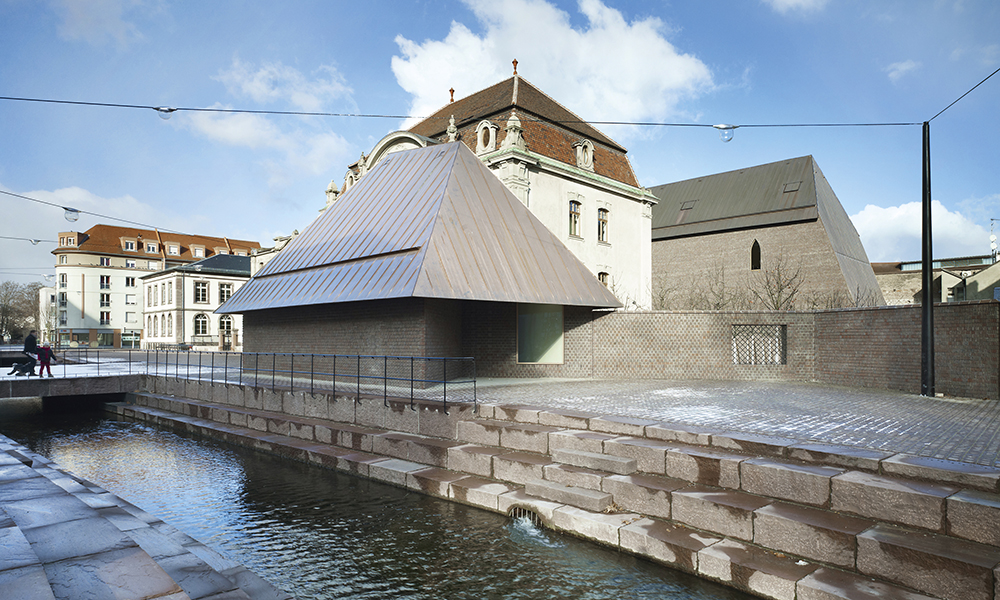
(959, 429)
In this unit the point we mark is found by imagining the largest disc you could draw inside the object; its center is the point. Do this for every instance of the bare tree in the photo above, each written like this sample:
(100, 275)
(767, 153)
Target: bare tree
(18, 308)
(778, 285)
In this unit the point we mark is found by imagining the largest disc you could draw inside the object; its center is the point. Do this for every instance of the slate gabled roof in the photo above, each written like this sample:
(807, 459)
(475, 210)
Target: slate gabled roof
(432, 222)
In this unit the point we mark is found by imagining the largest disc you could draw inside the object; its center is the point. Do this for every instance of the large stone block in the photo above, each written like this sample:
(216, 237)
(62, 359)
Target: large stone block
(645, 494)
(480, 432)
(980, 477)
(834, 455)
(666, 543)
(574, 476)
(396, 445)
(752, 569)
(889, 499)
(621, 425)
(684, 434)
(393, 470)
(597, 527)
(812, 533)
(588, 441)
(595, 460)
(472, 459)
(649, 455)
(975, 516)
(519, 467)
(830, 584)
(591, 500)
(516, 413)
(479, 492)
(430, 451)
(526, 437)
(703, 466)
(762, 445)
(435, 421)
(941, 566)
(370, 412)
(725, 512)
(805, 484)
(570, 419)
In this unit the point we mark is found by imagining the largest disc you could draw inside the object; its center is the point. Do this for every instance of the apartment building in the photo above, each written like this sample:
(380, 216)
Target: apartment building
(98, 287)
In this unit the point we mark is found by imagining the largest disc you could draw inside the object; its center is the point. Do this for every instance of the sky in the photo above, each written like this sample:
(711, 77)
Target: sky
(257, 176)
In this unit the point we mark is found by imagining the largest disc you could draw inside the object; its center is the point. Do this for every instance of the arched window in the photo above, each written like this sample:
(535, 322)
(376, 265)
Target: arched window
(755, 256)
(170, 325)
(156, 326)
(602, 225)
(149, 326)
(200, 324)
(574, 218)
(225, 325)
(603, 278)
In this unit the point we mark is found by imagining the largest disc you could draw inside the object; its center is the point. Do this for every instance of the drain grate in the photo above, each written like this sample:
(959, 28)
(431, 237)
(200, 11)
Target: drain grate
(519, 512)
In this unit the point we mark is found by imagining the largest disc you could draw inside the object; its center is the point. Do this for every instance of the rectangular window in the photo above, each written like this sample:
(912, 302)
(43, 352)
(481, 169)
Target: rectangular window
(129, 263)
(150, 247)
(105, 282)
(201, 292)
(154, 265)
(130, 317)
(105, 261)
(105, 317)
(62, 298)
(540, 333)
(602, 225)
(129, 245)
(63, 259)
(105, 300)
(574, 218)
(62, 317)
(130, 282)
(170, 292)
(198, 252)
(225, 291)
(71, 241)
(130, 299)
(759, 344)
(62, 241)
(173, 250)
(63, 280)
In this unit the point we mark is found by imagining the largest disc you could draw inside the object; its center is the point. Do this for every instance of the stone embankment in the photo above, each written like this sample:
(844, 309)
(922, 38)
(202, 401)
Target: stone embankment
(64, 537)
(775, 517)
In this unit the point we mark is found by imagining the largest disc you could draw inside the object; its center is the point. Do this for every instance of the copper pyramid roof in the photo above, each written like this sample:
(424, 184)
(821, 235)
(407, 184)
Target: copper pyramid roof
(432, 222)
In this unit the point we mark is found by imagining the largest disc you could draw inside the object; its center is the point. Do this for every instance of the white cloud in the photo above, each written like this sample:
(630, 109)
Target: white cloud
(894, 233)
(97, 21)
(898, 69)
(608, 69)
(785, 6)
(275, 82)
(286, 146)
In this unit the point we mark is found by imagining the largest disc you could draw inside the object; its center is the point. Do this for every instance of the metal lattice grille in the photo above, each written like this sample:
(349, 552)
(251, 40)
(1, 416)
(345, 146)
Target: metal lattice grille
(759, 344)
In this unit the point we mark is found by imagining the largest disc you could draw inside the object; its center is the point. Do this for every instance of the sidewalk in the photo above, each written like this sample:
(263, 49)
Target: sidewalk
(958, 429)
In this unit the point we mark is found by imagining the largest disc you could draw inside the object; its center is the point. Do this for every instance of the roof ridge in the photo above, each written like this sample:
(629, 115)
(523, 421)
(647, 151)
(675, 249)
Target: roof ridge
(578, 117)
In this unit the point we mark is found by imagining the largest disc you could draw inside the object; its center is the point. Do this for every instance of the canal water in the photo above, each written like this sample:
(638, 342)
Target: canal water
(322, 534)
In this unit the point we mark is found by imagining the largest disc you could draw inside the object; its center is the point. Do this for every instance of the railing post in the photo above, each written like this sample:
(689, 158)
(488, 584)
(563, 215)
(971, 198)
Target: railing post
(385, 380)
(199, 365)
(274, 364)
(334, 382)
(312, 374)
(411, 383)
(256, 365)
(212, 371)
(358, 397)
(291, 373)
(444, 376)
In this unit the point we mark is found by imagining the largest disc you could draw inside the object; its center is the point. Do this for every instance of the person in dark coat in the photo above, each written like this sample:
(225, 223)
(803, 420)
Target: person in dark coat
(31, 349)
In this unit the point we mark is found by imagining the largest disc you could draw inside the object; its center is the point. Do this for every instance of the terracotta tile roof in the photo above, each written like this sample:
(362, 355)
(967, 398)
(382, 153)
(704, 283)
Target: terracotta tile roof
(550, 128)
(107, 239)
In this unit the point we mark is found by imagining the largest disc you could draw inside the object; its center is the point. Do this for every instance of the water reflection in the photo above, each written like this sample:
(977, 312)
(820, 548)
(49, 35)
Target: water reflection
(322, 534)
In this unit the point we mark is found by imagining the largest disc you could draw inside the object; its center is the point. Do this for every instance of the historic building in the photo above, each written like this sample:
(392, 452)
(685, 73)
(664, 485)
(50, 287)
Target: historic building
(750, 238)
(180, 304)
(99, 300)
(577, 181)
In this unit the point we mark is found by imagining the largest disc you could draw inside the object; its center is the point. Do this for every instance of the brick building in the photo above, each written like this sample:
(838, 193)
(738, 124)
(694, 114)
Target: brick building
(721, 241)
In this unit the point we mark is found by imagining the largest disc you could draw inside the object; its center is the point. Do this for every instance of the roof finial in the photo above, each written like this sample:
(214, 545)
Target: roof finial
(452, 90)
(515, 66)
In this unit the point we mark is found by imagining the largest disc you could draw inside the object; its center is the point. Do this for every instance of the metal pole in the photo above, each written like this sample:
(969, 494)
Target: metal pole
(358, 397)
(927, 267)
(385, 380)
(291, 374)
(312, 373)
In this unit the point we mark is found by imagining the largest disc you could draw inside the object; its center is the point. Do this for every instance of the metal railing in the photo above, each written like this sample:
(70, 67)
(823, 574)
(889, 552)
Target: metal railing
(363, 376)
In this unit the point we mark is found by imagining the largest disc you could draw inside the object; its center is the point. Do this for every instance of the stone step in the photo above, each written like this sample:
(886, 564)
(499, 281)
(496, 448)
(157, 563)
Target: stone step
(891, 499)
(580, 477)
(504, 434)
(978, 477)
(811, 533)
(650, 455)
(725, 512)
(519, 467)
(831, 584)
(591, 500)
(753, 569)
(705, 466)
(596, 461)
(940, 566)
(645, 494)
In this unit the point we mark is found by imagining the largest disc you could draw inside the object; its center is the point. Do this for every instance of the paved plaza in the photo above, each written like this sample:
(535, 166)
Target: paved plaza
(958, 429)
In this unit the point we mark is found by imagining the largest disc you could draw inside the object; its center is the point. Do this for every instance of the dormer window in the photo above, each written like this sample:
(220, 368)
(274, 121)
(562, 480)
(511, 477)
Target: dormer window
(151, 247)
(486, 137)
(221, 250)
(584, 154)
(198, 251)
(128, 245)
(173, 250)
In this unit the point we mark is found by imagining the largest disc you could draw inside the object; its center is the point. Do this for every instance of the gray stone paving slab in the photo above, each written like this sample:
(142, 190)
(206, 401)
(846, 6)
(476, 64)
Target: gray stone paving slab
(76, 538)
(47, 510)
(958, 429)
(117, 575)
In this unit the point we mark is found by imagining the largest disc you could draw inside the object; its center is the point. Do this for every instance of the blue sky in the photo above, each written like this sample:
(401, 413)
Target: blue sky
(256, 176)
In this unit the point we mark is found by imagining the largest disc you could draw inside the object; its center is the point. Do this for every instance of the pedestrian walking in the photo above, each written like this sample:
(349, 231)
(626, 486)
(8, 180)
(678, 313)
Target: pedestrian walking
(45, 358)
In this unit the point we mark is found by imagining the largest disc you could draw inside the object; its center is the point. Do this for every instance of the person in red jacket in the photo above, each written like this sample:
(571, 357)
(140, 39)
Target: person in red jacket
(45, 358)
